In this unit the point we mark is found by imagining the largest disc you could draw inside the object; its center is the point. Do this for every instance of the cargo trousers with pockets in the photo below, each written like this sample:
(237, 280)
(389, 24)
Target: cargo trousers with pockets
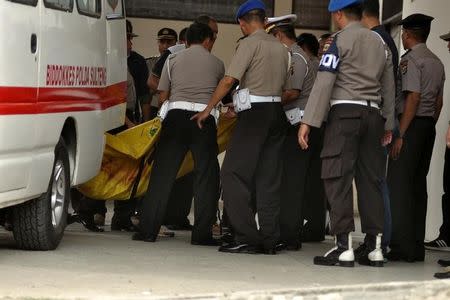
(353, 151)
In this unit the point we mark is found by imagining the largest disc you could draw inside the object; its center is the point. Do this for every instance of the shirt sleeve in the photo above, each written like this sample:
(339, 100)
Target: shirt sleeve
(411, 77)
(157, 68)
(164, 81)
(240, 61)
(298, 73)
(388, 93)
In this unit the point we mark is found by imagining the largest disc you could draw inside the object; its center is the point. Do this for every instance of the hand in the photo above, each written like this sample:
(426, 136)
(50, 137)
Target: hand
(230, 114)
(303, 136)
(387, 138)
(448, 137)
(396, 148)
(201, 116)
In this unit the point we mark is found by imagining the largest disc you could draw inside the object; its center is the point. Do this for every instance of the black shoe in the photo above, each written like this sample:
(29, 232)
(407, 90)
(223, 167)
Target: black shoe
(444, 263)
(438, 245)
(288, 246)
(139, 237)
(396, 256)
(240, 248)
(208, 242)
(341, 255)
(181, 227)
(442, 275)
(227, 238)
(362, 248)
(124, 227)
(270, 251)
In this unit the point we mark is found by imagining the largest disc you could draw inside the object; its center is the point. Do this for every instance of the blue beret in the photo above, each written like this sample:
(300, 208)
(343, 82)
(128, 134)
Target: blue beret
(336, 5)
(249, 6)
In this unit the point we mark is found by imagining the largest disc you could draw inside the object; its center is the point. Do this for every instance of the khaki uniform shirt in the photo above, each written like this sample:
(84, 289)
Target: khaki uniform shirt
(150, 64)
(302, 77)
(421, 72)
(356, 66)
(194, 75)
(131, 92)
(260, 64)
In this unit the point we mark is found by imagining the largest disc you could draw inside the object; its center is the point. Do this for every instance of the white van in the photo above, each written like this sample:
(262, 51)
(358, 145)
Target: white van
(62, 85)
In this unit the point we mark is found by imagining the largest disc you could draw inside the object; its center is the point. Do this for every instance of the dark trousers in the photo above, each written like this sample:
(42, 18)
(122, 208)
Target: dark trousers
(297, 164)
(179, 135)
(352, 150)
(253, 167)
(444, 231)
(180, 201)
(407, 180)
(314, 203)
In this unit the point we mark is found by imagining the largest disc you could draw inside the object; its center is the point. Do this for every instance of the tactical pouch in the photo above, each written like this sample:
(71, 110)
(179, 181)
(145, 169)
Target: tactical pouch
(294, 115)
(241, 100)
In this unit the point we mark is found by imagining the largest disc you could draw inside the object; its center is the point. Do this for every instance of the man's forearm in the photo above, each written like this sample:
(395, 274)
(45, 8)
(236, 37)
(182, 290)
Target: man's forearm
(152, 83)
(221, 91)
(409, 111)
(289, 96)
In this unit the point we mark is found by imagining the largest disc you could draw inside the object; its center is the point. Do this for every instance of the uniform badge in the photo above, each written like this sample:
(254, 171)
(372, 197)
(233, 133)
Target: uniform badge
(404, 67)
(330, 60)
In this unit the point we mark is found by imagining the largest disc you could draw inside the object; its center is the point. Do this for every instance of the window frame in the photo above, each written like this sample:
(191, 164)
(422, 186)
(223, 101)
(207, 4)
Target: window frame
(52, 6)
(92, 15)
(25, 2)
(312, 27)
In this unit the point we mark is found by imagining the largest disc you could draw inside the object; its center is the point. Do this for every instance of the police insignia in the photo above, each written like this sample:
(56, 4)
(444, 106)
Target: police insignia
(404, 67)
(330, 59)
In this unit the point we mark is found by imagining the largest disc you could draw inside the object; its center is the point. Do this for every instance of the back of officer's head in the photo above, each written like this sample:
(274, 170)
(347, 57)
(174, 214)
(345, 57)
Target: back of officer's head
(353, 12)
(255, 15)
(286, 30)
(197, 33)
(420, 35)
(309, 43)
(371, 8)
(182, 35)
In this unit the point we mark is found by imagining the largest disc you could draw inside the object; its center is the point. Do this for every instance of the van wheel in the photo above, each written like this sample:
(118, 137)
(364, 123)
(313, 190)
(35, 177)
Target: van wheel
(39, 224)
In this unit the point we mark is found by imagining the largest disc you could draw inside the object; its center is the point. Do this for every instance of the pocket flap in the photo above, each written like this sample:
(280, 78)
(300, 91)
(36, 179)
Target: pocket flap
(334, 148)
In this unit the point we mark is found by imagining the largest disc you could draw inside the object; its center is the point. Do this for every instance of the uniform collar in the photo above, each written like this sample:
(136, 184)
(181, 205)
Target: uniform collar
(258, 32)
(352, 24)
(419, 46)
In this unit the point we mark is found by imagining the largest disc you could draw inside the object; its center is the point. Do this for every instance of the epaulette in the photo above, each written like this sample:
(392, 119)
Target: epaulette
(409, 50)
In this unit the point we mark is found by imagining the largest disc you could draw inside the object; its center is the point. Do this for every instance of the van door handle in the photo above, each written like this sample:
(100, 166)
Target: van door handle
(33, 43)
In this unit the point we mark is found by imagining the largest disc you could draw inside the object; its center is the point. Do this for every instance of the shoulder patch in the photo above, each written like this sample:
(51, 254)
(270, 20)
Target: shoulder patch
(330, 59)
(404, 66)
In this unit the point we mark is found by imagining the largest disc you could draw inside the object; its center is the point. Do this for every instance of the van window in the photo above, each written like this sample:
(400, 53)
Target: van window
(90, 7)
(65, 5)
(27, 2)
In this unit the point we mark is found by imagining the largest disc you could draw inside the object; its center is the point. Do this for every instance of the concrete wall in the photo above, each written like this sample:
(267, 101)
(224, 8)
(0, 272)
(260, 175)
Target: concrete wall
(225, 45)
(439, 9)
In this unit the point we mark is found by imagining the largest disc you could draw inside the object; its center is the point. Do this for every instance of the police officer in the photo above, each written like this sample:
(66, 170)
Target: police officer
(418, 105)
(187, 82)
(371, 19)
(355, 75)
(166, 37)
(253, 164)
(296, 163)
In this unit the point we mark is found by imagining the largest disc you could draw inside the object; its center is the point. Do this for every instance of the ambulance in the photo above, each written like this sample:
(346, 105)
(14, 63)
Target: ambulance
(62, 86)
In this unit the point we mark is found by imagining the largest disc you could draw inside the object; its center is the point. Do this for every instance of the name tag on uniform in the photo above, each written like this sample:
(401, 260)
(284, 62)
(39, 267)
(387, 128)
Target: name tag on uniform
(241, 100)
(162, 113)
(294, 115)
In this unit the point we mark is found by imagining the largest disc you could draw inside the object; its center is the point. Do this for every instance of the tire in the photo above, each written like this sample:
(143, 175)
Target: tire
(39, 224)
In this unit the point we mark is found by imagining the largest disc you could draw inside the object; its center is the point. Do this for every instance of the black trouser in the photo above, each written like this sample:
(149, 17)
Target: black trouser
(314, 203)
(297, 165)
(180, 201)
(444, 231)
(253, 165)
(407, 180)
(179, 135)
(352, 150)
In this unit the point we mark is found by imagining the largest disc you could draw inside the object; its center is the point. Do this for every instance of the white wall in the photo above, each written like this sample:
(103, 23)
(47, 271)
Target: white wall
(439, 9)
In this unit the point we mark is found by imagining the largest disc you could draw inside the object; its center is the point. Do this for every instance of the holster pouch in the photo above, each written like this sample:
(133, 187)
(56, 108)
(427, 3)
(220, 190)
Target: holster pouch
(294, 115)
(241, 100)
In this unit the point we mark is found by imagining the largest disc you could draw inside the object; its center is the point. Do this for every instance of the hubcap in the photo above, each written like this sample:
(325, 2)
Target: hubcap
(58, 193)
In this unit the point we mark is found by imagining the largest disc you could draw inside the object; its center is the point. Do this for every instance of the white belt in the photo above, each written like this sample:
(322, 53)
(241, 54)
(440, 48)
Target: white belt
(263, 99)
(185, 105)
(357, 102)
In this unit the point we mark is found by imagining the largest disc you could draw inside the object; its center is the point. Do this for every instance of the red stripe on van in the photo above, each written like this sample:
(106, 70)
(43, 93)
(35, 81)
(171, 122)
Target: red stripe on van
(24, 100)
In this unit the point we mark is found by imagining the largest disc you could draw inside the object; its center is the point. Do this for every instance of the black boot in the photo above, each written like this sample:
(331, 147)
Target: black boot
(341, 255)
(372, 255)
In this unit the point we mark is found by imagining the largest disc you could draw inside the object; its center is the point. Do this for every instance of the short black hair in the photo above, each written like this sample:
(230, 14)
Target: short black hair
(204, 19)
(324, 36)
(353, 11)
(420, 34)
(371, 8)
(288, 30)
(309, 41)
(255, 15)
(197, 33)
(182, 36)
